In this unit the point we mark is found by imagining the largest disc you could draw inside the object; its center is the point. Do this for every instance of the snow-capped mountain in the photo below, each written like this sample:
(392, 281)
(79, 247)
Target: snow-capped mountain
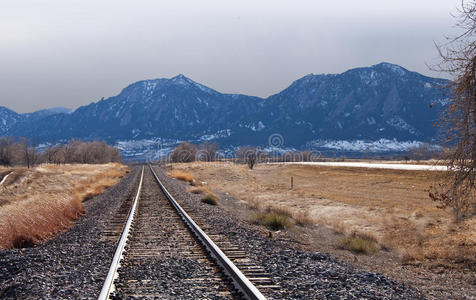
(384, 101)
(167, 108)
(381, 102)
(9, 118)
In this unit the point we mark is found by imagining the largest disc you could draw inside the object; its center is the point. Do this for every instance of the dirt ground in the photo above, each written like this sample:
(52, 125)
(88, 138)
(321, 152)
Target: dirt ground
(419, 243)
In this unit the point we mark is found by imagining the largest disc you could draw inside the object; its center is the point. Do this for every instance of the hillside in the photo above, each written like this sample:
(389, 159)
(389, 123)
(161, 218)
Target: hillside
(384, 102)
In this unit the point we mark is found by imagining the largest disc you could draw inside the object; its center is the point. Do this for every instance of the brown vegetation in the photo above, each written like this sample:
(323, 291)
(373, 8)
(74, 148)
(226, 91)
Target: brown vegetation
(199, 190)
(22, 152)
(359, 243)
(210, 199)
(37, 203)
(185, 152)
(180, 175)
(248, 155)
(391, 205)
(273, 219)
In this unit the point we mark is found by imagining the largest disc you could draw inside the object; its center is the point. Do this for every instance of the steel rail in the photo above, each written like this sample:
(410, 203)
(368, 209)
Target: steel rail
(239, 279)
(108, 286)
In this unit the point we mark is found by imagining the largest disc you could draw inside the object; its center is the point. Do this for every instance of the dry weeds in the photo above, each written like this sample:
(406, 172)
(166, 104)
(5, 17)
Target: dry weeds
(210, 199)
(391, 205)
(37, 203)
(181, 175)
(274, 220)
(359, 243)
(199, 190)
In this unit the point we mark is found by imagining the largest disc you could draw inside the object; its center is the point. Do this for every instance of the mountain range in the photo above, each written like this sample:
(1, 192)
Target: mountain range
(381, 102)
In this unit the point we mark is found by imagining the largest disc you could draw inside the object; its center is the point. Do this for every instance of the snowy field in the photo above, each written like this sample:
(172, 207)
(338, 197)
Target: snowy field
(373, 165)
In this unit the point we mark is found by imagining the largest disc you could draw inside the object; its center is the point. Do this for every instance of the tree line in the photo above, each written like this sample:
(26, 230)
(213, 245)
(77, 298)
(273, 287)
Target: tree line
(187, 152)
(20, 151)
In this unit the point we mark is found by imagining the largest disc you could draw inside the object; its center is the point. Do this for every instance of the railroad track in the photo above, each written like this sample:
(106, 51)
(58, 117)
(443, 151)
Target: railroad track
(162, 253)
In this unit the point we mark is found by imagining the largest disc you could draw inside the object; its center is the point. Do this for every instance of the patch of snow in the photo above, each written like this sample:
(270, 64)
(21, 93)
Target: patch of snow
(146, 149)
(253, 126)
(381, 145)
(373, 165)
(219, 134)
(394, 68)
(443, 102)
(398, 123)
(371, 121)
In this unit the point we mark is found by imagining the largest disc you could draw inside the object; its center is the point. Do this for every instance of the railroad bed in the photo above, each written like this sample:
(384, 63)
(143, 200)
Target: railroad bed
(163, 258)
(74, 264)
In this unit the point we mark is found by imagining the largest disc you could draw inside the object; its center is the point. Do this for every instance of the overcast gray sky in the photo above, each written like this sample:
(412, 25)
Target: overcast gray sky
(71, 53)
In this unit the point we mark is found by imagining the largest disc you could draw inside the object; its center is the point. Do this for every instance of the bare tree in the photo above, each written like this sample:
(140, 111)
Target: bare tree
(49, 154)
(208, 151)
(248, 155)
(185, 152)
(71, 151)
(459, 121)
(59, 154)
(6, 154)
(29, 153)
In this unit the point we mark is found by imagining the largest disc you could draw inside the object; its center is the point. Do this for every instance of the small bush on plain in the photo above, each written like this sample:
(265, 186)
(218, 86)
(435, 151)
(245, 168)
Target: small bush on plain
(210, 199)
(273, 220)
(181, 176)
(359, 243)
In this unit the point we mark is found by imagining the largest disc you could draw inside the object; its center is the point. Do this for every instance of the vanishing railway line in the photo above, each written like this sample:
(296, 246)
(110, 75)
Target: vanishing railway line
(162, 253)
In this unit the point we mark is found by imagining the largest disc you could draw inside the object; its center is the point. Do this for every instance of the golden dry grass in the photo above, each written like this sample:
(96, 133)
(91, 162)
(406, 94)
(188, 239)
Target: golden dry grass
(359, 243)
(199, 190)
(37, 203)
(273, 219)
(391, 205)
(181, 175)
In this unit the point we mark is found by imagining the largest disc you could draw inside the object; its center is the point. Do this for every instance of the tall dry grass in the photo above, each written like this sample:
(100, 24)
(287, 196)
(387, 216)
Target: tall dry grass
(45, 200)
(181, 175)
(26, 222)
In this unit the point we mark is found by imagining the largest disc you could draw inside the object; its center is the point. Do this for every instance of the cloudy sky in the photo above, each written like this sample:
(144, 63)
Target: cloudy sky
(71, 53)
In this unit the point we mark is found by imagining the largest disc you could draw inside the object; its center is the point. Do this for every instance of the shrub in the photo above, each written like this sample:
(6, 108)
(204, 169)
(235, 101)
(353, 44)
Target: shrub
(272, 220)
(210, 199)
(181, 176)
(198, 190)
(304, 218)
(276, 221)
(208, 151)
(359, 243)
(185, 152)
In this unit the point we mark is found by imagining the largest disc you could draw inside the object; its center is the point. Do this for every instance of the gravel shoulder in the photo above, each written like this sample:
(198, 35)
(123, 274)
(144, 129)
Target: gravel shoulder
(74, 264)
(300, 274)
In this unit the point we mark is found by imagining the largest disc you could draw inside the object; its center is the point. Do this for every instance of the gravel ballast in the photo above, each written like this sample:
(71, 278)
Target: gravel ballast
(74, 264)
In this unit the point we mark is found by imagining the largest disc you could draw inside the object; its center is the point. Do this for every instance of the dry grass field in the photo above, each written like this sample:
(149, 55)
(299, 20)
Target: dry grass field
(390, 207)
(39, 202)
